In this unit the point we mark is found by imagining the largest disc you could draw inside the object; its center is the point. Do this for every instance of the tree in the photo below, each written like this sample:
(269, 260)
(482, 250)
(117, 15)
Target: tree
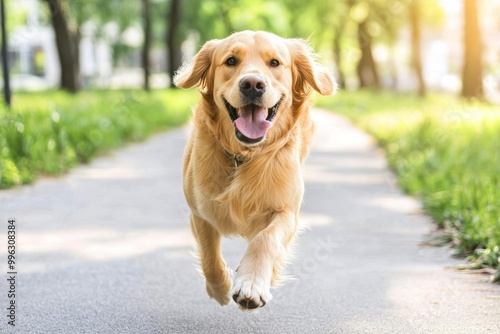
(79, 11)
(366, 68)
(146, 16)
(65, 46)
(173, 50)
(5, 66)
(388, 20)
(414, 11)
(337, 54)
(472, 77)
(334, 14)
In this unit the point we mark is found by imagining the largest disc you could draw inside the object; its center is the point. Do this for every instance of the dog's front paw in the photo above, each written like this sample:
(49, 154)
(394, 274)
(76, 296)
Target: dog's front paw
(250, 292)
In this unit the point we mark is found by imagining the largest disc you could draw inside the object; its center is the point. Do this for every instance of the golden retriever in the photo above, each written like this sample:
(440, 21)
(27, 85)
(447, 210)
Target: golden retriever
(242, 165)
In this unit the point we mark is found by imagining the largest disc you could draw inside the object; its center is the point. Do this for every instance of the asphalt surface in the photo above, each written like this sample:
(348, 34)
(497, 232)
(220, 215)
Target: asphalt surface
(106, 249)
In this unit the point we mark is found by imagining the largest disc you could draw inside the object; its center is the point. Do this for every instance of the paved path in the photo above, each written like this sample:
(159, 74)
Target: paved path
(106, 249)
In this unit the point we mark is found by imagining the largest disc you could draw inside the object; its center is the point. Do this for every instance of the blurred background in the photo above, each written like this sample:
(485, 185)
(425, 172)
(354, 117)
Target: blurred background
(401, 45)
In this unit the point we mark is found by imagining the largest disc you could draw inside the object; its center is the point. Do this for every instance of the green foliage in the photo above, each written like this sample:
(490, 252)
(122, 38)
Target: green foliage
(269, 16)
(17, 15)
(219, 18)
(289, 18)
(50, 132)
(331, 26)
(445, 151)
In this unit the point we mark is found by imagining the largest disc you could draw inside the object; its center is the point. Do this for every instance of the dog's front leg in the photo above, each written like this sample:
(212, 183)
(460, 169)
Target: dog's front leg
(260, 266)
(217, 275)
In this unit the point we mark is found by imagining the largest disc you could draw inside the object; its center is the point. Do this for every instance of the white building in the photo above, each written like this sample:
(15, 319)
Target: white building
(34, 61)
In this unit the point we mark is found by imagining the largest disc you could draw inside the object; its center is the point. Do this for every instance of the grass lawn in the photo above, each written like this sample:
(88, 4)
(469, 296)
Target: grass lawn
(50, 132)
(445, 150)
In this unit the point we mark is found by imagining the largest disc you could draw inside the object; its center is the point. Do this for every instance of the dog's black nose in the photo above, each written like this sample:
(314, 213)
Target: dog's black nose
(252, 86)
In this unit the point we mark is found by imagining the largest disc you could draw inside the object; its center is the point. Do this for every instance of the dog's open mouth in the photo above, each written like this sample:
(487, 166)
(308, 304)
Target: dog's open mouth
(252, 121)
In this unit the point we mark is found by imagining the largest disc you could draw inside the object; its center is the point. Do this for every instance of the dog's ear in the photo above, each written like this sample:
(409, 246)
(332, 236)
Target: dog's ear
(306, 71)
(195, 73)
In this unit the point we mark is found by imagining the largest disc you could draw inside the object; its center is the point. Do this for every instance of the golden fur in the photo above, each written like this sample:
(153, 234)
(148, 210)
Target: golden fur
(259, 197)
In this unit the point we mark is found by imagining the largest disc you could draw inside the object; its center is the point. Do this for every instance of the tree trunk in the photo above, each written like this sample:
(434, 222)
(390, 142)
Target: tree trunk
(65, 47)
(146, 15)
(76, 38)
(337, 54)
(472, 78)
(366, 69)
(5, 65)
(416, 49)
(174, 59)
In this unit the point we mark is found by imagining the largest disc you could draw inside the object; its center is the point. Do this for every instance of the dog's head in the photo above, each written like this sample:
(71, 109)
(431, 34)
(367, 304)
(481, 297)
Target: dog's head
(256, 82)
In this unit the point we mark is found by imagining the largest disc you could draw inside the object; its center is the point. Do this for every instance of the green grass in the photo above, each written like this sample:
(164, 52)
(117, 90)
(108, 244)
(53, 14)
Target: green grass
(444, 150)
(50, 132)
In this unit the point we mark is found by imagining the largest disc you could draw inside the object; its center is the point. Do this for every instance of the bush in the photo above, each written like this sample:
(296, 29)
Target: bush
(50, 132)
(445, 151)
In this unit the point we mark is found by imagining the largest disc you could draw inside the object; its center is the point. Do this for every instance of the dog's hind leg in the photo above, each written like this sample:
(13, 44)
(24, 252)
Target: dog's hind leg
(217, 275)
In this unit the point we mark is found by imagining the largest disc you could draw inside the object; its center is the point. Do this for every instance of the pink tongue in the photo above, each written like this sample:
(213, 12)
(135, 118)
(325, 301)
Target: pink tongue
(252, 122)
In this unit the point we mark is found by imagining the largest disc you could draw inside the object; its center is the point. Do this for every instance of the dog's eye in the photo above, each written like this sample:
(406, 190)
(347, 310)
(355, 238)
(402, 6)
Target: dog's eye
(231, 61)
(274, 63)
